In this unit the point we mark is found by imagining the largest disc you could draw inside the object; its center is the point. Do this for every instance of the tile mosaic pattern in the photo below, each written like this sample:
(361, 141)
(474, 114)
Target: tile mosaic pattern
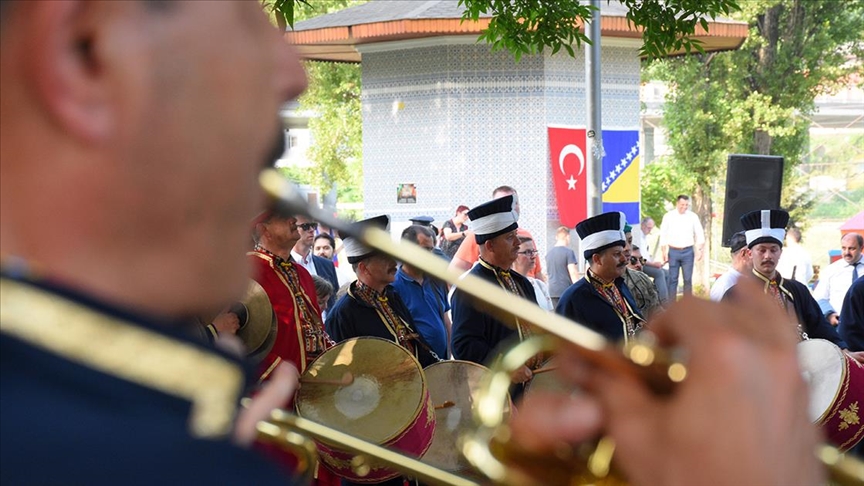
(460, 120)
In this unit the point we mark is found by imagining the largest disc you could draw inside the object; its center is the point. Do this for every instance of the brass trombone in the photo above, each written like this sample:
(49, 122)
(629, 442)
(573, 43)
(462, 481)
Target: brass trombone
(658, 368)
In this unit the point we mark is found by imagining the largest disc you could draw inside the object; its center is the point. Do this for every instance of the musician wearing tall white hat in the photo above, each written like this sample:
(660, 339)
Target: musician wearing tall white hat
(477, 335)
(765, 231)
(601, 300)
(371, 307)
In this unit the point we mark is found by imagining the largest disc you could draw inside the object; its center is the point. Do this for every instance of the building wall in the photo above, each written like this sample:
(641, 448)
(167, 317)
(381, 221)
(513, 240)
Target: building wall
(459, 120)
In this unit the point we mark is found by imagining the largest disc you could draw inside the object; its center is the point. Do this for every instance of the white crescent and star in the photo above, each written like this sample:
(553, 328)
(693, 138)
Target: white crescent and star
(568, 150)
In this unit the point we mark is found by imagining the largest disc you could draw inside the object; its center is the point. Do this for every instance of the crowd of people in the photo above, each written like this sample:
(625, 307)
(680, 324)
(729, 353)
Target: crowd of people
(131, 138)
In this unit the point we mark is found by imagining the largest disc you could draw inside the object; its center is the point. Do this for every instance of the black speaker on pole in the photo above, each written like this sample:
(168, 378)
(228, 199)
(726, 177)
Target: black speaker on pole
(753, 182)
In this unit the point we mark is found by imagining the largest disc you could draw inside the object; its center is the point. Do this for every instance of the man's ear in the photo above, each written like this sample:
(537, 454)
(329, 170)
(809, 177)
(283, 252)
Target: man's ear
(63, 68)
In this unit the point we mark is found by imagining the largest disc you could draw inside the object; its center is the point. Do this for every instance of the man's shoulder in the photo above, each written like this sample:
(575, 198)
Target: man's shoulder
(322, 262)
(580, 287)
(638, 276)
(792, 284)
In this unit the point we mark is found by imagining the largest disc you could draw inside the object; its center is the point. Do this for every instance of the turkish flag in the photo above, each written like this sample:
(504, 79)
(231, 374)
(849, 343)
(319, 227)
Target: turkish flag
(567, 161)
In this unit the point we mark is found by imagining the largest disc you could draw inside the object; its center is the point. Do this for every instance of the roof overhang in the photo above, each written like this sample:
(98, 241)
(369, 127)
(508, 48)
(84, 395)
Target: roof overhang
(346, 44)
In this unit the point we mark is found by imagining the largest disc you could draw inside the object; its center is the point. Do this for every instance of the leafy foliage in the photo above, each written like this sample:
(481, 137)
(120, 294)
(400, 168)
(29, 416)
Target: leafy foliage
(662, 181)
(337, 151)
(528, 26)
(752, 100)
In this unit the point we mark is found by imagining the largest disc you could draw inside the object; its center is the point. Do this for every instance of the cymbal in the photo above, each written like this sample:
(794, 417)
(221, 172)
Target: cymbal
(257, 322)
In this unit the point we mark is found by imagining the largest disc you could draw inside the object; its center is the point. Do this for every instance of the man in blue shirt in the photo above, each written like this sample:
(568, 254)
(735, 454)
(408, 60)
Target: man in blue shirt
(425, 297)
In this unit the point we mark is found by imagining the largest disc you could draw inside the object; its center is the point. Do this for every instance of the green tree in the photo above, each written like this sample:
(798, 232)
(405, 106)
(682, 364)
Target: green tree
(528, 26)
(752, 100)
(333, 100)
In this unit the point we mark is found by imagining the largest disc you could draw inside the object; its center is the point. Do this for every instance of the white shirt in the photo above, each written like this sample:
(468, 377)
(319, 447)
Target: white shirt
(833, 284)
(307, 262)
(795, 259)
(644, 242)
(723, 283)
(541, 293)
(681, 230)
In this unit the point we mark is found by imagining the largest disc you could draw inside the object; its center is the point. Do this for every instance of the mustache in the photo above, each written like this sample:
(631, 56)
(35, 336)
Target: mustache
(620, 265)
(277, 148)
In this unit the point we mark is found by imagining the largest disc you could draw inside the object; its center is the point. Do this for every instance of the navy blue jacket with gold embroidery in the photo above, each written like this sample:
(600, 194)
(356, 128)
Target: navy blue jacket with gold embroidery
(806, 309)
(477, 335)
(94, 396)
(582, 303)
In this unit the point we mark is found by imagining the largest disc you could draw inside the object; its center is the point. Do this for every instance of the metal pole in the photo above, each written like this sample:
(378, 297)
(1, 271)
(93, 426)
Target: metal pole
(595, 135)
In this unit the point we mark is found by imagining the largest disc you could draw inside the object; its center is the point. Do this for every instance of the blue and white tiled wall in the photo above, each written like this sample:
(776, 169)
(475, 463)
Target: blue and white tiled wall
(460, 120)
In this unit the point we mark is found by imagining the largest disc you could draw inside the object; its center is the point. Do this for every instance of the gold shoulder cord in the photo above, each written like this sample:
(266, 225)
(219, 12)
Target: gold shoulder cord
(109, 345)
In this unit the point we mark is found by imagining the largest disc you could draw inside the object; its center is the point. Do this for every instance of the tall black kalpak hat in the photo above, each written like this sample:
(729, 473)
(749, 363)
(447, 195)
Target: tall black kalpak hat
(493, 218)
(765, 226)
(600, 232)
(357, 251)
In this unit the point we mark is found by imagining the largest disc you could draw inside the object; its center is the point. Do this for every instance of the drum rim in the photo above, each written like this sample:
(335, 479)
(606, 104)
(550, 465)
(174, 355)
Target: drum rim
(425, 457)
(424, 392)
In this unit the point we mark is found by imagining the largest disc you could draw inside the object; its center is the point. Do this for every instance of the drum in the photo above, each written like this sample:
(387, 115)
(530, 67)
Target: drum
(453, 386)
(836, 384)
(387, 403)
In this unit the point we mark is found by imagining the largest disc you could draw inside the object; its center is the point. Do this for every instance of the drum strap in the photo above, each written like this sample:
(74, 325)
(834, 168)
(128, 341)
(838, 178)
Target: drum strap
(774, 287)
(394, 323)
(315, 339)
(612, 294)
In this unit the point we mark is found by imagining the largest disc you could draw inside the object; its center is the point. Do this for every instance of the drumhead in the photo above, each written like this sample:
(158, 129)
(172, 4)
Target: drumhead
(456, 382)
(387, 394)
(823, 367)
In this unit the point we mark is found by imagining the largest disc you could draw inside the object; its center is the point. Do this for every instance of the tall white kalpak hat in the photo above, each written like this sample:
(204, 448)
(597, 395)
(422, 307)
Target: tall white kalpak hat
(357, 251)
(600, 232)
(493, 218)
(765, 226)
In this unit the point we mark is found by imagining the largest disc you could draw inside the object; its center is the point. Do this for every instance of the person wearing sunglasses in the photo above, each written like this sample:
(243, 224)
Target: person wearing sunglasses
(316, 265)
(641, 286)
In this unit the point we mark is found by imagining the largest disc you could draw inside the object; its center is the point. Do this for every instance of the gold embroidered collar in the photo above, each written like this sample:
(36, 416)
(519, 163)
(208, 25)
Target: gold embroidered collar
(115, 347)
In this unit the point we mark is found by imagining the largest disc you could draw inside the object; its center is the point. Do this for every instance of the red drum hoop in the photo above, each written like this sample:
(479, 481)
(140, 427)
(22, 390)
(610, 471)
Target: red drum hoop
(388, 402)
(836, 383)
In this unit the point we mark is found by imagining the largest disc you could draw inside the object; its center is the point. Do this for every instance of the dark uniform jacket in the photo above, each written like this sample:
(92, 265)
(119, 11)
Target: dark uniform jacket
(851, 328)
(582, 303)
(806, 309)
(94, 395)
(326, 270)
(351, 318)
(476, 334)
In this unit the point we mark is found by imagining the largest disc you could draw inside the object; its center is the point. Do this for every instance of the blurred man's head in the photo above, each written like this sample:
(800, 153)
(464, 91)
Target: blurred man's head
(323, 246)
(148, 132)
(636, 260)
(307, 228)
(647, 225)
(741, 261)
(850, 247)
(562, 235)
(682, 204)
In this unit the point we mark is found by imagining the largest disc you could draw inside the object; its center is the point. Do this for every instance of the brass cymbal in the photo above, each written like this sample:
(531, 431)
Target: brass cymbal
(257, 322)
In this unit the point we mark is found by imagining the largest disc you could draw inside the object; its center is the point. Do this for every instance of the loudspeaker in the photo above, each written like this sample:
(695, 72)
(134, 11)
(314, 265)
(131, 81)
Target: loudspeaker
(753, 182)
